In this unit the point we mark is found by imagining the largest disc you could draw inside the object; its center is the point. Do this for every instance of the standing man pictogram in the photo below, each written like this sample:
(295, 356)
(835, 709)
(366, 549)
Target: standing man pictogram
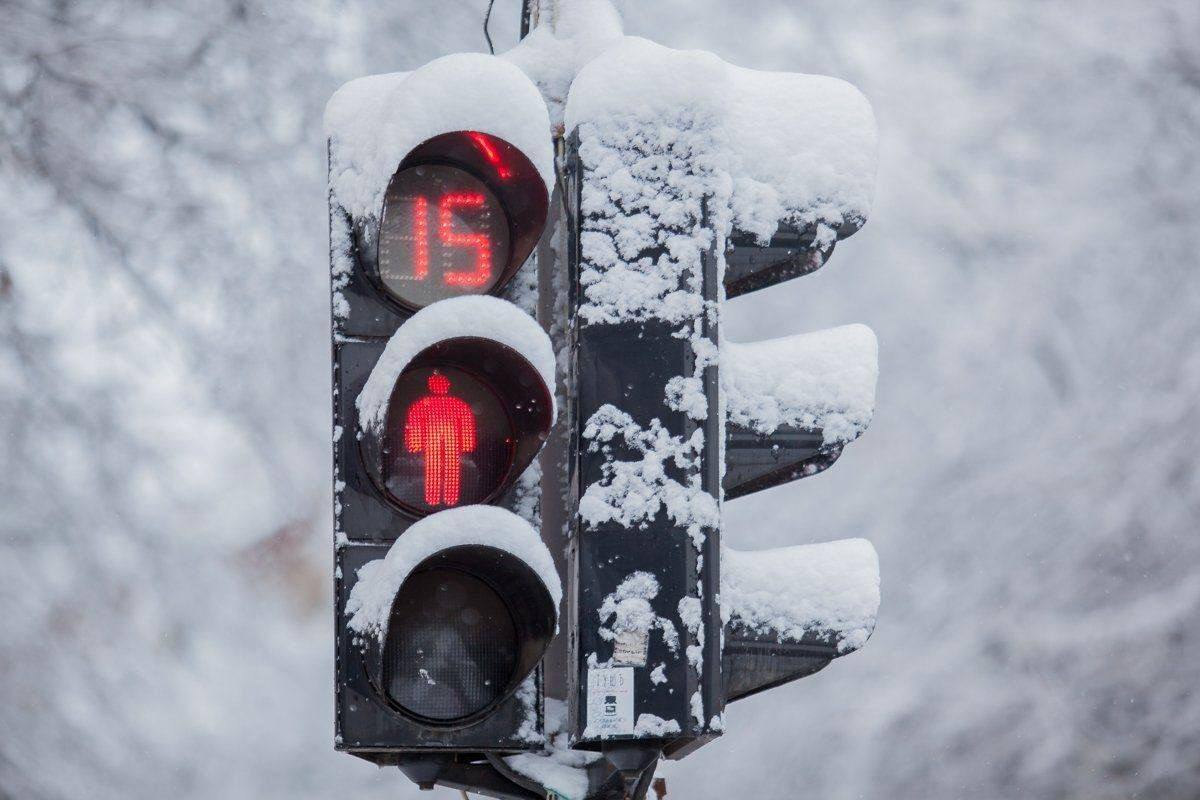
(443, 428)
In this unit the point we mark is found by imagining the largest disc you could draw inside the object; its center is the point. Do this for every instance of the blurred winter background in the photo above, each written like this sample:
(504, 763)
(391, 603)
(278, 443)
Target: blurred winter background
(1030, 479)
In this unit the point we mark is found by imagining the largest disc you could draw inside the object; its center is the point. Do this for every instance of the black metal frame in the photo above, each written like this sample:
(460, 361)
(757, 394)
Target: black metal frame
(792, 251)
(756, 461)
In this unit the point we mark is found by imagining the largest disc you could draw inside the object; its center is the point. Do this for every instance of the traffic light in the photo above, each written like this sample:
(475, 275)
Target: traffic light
(686, 182)
(690, 182)
(442, 397)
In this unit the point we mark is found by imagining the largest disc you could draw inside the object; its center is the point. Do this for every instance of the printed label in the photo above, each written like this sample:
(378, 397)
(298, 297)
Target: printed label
(630, 648)
(610, 702)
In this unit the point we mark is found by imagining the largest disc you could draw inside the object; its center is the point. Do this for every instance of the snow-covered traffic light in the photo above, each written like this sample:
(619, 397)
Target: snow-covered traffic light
(682, 182)
(442, 397)
(691, 181)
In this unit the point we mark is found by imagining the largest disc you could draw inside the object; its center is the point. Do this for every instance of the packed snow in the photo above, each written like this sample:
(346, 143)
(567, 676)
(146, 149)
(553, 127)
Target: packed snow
(374, 122)
(830, 589)
(824, 379)
(474, 315)
(527, 695)
(793, 147)
(691, 615)
(341, 264)
(553, 52)
(643, 232)
(558, 767)
(631, 493)
(696, 704)
(627, 609)
(561, 771)
(370, 603)
(650, 725)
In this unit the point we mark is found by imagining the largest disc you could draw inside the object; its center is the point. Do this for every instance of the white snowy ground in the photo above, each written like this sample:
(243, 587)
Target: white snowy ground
(1028, 478)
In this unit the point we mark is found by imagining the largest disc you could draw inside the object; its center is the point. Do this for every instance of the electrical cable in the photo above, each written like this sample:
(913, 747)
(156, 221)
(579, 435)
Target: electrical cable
(526, 17)
(487, 18)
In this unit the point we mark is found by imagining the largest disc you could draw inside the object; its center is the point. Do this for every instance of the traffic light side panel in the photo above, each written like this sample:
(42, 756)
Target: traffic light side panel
(646, 464)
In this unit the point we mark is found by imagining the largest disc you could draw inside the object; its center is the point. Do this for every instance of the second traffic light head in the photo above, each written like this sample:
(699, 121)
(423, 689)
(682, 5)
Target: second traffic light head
(457, 406)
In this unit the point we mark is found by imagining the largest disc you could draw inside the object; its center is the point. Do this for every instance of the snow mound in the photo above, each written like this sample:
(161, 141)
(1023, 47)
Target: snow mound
(797, 147)
(651, 725)
(476, 315)
(631, 493)
(830, 588)
(554, 52)
(824, 379)
(374, 122)
(558, 768)
(629, 609)
(370, 601)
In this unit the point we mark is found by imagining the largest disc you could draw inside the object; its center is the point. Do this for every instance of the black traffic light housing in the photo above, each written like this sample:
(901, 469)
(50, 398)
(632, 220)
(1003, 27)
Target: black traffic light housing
(371, 724)
(533, 614)
(651, 186)
(441, 377)
(499, 168)
(440, 637)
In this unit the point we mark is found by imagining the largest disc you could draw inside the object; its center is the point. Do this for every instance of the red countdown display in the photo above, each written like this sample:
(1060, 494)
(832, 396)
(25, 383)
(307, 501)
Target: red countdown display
(443, 234)
(449, 441)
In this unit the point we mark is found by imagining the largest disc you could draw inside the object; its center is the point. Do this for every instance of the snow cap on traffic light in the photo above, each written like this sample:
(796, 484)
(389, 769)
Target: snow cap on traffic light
(474, 316)
(374, 122)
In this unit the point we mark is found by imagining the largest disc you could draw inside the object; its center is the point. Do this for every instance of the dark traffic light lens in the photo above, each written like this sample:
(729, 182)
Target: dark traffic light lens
(449, 440)
(443, 234)
(466, 627)
(452, 646)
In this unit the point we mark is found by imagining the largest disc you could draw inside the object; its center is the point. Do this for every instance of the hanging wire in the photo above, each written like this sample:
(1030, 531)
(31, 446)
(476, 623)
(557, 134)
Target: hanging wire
(487, 18)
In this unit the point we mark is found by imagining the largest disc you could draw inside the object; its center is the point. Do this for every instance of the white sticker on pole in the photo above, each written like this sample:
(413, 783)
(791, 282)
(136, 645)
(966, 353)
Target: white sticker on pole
(610, 702)
(630, 648)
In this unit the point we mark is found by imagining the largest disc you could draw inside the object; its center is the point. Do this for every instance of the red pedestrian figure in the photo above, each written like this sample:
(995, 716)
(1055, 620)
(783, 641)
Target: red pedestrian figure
(443, 428)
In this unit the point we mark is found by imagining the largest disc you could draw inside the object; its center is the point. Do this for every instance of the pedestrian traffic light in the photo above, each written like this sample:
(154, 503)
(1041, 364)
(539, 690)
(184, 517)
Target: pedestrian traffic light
(465, 416)
(442, 396)
(689, 182)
